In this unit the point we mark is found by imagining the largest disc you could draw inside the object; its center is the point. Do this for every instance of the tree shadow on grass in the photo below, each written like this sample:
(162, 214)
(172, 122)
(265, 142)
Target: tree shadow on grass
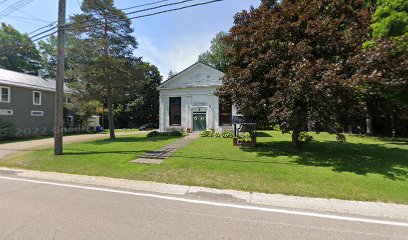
(75, 152)
(347, 157)
(133, 139)
(263, 134)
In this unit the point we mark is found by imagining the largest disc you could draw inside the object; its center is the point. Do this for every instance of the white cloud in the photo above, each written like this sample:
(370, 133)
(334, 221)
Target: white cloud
(175, 54)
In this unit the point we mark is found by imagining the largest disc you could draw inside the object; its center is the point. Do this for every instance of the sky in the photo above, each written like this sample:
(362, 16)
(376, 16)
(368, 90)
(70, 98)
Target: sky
(171, 41)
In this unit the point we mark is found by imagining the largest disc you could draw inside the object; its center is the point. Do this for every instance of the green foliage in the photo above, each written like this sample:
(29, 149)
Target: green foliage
(5, 128)
(83, 105)
(341, 138)
(17, 51)
(153, 133)
(244, 137)
(107, 47)
(227, 135)
(207, 133)
(390, 18)
(305, 138)
(140, 104)
(292, 58)
(172, 133)
(216, 56)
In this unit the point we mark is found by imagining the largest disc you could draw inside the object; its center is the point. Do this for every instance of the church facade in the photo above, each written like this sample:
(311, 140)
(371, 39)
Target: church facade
(188, 103)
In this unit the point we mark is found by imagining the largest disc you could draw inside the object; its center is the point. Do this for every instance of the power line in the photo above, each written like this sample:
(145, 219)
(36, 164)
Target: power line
(33, 40)
(161, 6)
(176, 9)
(138, 11)
(67, 26)
(14, 7)
(34, 17)
(51, 28)
(147, 15)
(143, 5)
(24, 20)
(38, 29)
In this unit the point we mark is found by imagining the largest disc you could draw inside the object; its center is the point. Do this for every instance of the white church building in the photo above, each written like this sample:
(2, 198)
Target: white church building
(188, 103)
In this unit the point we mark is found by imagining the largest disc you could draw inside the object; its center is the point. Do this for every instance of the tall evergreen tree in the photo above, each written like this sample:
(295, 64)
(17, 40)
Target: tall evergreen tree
(104, 34)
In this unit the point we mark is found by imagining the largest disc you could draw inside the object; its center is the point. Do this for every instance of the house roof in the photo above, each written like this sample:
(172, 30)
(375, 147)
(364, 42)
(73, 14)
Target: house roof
(18, 79)
(171, 79)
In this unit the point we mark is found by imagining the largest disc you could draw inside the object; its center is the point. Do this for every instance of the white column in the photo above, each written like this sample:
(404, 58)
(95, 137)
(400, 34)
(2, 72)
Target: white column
(162, 120)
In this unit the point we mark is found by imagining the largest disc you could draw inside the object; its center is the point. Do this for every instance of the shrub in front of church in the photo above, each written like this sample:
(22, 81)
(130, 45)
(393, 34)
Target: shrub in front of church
(210, 133)
(172, 133)
(207, 133)
(153, 134)
(227, 135)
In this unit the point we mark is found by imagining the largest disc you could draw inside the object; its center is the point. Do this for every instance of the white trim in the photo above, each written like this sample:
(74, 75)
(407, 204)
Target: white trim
(217, 204)
(1, 94)
(6, 112)
(34, 103)
(34, 113)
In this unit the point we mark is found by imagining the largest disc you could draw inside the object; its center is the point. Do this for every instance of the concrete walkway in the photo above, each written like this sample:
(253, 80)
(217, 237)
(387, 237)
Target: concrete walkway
(157, 157)
(370, 209)
(30, 145)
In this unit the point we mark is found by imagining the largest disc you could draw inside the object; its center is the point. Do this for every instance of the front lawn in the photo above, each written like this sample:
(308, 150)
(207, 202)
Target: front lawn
(364, 168)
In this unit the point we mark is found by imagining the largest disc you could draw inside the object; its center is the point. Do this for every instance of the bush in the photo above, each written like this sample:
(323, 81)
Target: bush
(227, 135)
(175, 133)
(172, 133)
(153, 134)
(341, 138)
(218, 135)
(207, 133)
(304, 137)
(210, 133)
(5, 128)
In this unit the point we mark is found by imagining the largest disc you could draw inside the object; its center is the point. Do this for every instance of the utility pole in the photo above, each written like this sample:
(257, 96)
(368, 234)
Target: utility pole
(59, 88)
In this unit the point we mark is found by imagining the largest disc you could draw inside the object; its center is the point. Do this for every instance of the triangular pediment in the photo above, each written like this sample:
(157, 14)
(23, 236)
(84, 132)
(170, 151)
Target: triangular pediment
(195, 76)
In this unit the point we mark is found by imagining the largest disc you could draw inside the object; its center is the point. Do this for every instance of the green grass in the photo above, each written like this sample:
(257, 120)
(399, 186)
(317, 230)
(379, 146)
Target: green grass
(122, 130)
(364, 168)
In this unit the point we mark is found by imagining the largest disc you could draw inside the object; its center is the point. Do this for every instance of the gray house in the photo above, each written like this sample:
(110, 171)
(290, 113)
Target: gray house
(27, 104)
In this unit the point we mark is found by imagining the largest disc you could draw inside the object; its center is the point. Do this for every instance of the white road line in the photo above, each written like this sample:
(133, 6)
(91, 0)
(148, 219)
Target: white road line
(237, 206)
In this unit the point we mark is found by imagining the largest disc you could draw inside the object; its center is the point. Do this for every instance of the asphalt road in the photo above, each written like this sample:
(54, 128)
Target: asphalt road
(31, 210)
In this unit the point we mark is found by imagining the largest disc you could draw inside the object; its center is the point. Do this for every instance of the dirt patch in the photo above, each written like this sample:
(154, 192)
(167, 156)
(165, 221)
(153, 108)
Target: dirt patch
(215, 196)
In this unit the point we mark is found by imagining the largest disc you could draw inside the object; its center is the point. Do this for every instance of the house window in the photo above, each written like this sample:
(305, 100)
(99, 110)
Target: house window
(67, 99)
(175, 111)
(37, 113)
(225, 114)
(70, 120)
(5, 94)
(36, 98)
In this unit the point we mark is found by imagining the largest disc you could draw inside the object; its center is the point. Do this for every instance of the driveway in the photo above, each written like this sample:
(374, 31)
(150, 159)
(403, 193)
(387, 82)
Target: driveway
(15, 147)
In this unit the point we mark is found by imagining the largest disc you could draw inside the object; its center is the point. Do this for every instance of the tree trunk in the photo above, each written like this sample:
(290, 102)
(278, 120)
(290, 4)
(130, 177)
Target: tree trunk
(392, 119)
(295, 139)
(350, 129)
(309, 126)
(109, 93)
(369, 121)
(110, 117)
